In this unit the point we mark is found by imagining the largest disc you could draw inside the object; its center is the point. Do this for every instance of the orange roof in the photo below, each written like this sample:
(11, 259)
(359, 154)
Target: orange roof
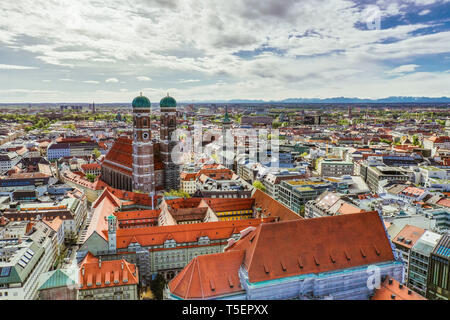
(121, 152)
(135, 197)
(183, 203)
(333, 243)
(141, 214)
(413, 191)
(347, 208)
(105, 274)
(216, 174)
(91, 166)
(196, 281)
(391, 289)
(150, 236)
(54, 224)
(408, 236)
(188, 176)
(444, 202)
(103, 207)
(227, 204)
(273, 208)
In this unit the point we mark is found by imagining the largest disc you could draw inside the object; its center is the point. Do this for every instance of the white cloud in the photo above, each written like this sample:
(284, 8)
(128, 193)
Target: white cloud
(407, 68)
(424, 12)
(189, 80)
(91, 81)
(311, 49)
(143, 78)
(14, 67)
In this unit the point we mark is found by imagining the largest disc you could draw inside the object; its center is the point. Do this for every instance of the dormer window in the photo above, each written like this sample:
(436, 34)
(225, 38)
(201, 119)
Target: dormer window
(170, 243)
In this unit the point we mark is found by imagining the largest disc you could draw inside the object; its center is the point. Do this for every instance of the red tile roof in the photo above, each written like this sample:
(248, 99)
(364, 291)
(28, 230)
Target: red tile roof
(216, 174)
(408, 234)
(107, 274)
(134, 197)
(347, 208)
(54, 224)
(122, 153)
(91, 166)
(141, 214)
(182, 203)
(391, 289)
(188, 176)
(413, 191)
(314, 246)
(444, 202)
(227, 204)
(196, 281)
(150, 236)
(273, 208)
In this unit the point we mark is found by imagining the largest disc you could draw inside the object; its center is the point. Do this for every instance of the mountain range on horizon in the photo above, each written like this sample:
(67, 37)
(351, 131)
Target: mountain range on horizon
(394, 99)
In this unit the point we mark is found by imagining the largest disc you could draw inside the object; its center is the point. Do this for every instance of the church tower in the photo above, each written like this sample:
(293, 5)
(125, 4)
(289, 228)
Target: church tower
(168, 126)
(226, 129)
(112, 228)
(143, 162)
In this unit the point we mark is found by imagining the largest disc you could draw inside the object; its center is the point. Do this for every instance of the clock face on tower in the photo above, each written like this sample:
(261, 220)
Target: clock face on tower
(145, 135)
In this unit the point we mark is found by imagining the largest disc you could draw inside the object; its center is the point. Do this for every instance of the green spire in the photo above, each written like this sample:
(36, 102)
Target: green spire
(226, 118)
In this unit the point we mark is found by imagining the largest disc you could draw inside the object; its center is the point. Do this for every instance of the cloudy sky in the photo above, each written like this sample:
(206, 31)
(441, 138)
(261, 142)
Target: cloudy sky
(110, 50)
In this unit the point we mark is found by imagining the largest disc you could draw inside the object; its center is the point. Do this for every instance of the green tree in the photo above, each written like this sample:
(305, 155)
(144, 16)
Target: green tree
(258, 185)
(177, 193)
(415, 140)
(276, 124)
(91, 177)
(157, 286)
(96, 153)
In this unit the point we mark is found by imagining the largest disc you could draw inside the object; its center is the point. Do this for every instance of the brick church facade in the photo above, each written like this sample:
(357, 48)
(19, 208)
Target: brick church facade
(142, 163)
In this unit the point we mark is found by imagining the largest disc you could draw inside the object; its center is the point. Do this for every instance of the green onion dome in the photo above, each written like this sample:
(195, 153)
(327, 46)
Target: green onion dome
(141, 102)
(168, 103)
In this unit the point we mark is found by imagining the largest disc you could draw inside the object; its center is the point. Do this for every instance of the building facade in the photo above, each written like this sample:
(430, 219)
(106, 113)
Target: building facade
(438, 272)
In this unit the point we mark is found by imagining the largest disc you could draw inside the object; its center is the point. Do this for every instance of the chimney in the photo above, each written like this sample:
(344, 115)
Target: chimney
(400, 286)
(393, 296)
(409, 291)
(390, 281)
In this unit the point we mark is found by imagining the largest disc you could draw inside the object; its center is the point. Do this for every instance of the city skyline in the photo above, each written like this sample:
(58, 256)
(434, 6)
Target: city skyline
(107, 52)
